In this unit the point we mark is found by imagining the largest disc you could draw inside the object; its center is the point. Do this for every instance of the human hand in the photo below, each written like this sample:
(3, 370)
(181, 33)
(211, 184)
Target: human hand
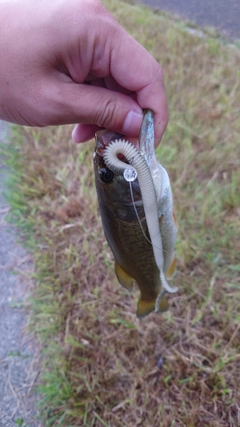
(69, 61)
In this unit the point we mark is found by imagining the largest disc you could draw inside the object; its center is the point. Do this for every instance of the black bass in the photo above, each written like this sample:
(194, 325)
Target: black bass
(137, 214)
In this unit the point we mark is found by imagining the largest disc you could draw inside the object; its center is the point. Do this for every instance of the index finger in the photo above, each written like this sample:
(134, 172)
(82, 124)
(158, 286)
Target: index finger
(139, 72)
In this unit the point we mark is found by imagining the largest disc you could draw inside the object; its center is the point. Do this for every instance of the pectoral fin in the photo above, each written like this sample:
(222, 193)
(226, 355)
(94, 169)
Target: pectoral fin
(124, 279)
(171, 270)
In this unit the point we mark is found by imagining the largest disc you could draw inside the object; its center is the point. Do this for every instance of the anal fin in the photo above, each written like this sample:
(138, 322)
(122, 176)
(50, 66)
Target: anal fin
(124, 279)
(171, 270)
(175, 219)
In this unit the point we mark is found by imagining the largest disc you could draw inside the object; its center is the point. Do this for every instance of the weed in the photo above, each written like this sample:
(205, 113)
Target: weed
(19, 421)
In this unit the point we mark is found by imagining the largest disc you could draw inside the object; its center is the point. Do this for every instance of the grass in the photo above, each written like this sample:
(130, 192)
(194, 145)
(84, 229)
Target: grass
(102, 366)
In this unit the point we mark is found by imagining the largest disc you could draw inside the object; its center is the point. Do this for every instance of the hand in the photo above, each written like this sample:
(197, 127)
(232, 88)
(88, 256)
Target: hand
(69, 61)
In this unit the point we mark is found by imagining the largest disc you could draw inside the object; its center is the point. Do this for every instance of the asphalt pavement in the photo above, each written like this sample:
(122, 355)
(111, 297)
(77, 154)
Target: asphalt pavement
(19, 356)
(224, 15)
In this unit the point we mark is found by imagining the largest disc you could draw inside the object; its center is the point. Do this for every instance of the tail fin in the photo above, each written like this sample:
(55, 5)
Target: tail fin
(161, 304)
(145, 307)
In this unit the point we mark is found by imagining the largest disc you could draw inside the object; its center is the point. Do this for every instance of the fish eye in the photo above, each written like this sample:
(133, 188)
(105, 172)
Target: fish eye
(106, 175)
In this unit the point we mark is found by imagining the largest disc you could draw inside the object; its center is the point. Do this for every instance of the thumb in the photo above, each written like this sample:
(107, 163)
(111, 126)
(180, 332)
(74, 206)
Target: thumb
(97, 107)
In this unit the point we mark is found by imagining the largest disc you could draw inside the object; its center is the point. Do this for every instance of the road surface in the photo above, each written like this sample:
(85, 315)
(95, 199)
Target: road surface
(224, 15)
(18, 351)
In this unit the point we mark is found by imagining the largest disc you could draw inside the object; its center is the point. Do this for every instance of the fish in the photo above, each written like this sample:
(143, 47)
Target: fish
(141, 255)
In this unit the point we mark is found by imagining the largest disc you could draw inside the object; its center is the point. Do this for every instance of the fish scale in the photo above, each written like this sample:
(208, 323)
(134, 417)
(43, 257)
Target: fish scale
(133, 253)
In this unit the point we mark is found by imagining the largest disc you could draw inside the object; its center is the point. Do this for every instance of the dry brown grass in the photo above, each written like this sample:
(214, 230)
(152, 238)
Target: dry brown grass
(103, 366)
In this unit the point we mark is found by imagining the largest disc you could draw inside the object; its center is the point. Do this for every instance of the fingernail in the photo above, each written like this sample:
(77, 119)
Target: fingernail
(75, 134)
(132, 123)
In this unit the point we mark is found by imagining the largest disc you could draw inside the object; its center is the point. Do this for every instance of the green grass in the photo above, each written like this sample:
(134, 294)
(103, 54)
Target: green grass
(100, 365)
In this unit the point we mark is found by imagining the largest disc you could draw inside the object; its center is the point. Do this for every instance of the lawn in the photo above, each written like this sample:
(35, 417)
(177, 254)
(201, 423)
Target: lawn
(102, 366)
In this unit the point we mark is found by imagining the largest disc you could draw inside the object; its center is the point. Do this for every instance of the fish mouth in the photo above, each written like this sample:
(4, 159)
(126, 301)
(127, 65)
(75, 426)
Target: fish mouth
(104, 138)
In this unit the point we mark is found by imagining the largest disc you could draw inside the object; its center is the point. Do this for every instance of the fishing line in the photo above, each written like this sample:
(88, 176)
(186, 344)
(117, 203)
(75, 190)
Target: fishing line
(130, 175)
(136, 212)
